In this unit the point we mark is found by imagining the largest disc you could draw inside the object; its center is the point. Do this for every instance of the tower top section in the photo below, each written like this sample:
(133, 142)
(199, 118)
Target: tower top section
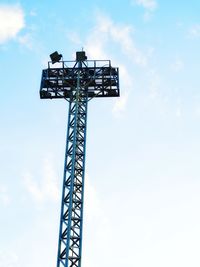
(93, 78)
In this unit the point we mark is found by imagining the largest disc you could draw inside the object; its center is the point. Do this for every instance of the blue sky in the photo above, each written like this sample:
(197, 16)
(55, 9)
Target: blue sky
(143, 151)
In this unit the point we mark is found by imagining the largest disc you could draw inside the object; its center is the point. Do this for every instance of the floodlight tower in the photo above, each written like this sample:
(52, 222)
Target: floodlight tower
(78, 82)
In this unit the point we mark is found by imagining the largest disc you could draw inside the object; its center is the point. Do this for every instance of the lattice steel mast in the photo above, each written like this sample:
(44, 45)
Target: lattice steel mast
(77, 82)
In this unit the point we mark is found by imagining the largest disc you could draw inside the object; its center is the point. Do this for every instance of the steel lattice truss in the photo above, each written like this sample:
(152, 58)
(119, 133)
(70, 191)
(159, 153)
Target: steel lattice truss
(77, 83)
(69, 249)
(98, 78)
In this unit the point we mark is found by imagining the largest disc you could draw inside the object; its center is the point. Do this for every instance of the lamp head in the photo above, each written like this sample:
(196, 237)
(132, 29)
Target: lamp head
(55, 57)
(80, 56)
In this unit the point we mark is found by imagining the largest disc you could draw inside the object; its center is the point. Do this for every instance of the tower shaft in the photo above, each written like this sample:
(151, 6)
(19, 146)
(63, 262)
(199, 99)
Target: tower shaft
(71, 221)
(77, 82)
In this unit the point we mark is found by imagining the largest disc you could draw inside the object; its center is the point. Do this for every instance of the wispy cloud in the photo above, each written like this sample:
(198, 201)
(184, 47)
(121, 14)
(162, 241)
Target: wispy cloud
(92, 205)
(4, 195)
(120, 105)
(97, 224)
(150, 5)
(177, 65)
(178, 111)
(47, 188)
(26, 40)
(108, 38)
(8, 259)
(74, 37)
(11, 22)
(33, 13)
(194, 31)
(107, 32)
(154, 83)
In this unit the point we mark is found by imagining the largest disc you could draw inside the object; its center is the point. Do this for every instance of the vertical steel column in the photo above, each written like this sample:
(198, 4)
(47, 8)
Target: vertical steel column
(71, 220)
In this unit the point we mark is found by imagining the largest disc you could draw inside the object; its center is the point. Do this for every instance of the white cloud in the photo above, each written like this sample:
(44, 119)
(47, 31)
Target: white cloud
(123, 35)
(47, 188)
(26, 40)
(194, 31)
(33, 13)
(105, 40)
(120, 105)
(11, 22)
(178, 65)
(178, 112)
(154, 83)
(178, 109)
(8, 259)
(92, 203)
(4, 196)
(127, 83)
(74, 37)
(147, 4)
(97, 227)
(108, 33)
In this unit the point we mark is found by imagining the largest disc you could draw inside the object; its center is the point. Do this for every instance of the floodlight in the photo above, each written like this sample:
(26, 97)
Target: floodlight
(55, 57)
(80, 56)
